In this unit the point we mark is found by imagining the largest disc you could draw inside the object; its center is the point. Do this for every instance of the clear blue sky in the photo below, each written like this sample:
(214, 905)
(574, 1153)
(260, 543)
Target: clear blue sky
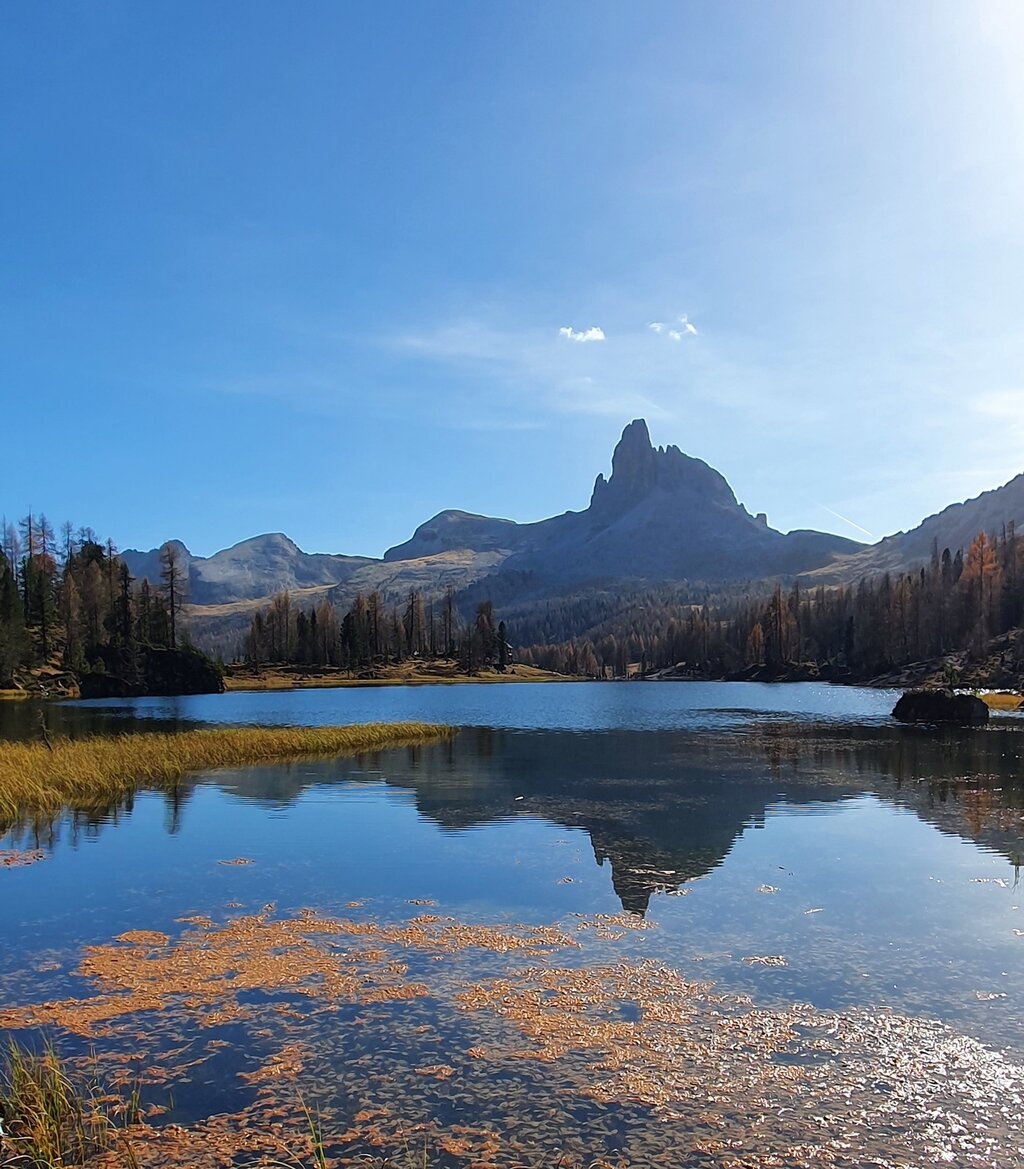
(304, 267)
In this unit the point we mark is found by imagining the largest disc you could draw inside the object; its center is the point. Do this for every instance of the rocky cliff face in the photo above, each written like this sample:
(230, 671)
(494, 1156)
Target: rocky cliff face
(662, 515)
(638, 470)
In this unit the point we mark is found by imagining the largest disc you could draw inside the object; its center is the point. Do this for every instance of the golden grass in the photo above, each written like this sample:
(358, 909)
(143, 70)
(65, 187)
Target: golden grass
(405, 674)
(13, 695)
(1002, 701)
(37, 780)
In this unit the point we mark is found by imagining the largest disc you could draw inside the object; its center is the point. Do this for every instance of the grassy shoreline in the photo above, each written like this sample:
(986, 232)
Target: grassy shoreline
(405, 674)
(40, 779)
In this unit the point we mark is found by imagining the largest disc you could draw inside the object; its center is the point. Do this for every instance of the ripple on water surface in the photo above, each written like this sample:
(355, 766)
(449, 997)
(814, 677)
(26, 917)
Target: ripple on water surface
(789, 933)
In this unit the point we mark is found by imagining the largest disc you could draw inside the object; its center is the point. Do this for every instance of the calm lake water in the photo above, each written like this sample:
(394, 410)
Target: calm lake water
(783, 844)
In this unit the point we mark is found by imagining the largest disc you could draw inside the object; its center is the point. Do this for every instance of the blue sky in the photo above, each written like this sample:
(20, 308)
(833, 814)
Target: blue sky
(305, 267)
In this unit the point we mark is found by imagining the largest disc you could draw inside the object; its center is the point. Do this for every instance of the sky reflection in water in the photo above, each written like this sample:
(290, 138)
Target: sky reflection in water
(878, 861)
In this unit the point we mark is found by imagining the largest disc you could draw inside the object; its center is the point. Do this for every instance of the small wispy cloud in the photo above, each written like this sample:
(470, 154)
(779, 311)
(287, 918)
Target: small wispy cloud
(685, 329)
(583, 336)
(677, 332)
(541, 370)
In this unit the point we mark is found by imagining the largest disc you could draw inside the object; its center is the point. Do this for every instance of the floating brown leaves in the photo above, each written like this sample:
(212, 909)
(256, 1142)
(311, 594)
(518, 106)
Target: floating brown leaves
(313, 956)
(14, 859)
(754, 1087)
(729, 1083)
(437, 1071)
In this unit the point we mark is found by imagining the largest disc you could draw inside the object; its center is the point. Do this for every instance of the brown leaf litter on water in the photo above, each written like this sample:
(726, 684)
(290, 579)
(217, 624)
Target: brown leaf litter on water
(700, 1077)
(19, 859)
(283, 1065)
(238, 861)
(436, 1071)
(313, 956)
(143, 938)
(768, 1087)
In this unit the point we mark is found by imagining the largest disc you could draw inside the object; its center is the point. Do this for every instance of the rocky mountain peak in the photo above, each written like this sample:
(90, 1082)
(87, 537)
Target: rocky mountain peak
(638, 469)
(634, 460)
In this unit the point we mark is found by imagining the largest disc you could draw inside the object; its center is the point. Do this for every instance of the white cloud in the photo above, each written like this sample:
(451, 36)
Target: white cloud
(685, 329)
(583, 336)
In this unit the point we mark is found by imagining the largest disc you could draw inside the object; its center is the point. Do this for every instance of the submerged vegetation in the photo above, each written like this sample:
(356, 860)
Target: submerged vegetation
(43, 777)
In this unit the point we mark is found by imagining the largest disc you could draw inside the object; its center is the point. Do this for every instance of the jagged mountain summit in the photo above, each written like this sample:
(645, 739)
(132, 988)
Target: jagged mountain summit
(662, 516)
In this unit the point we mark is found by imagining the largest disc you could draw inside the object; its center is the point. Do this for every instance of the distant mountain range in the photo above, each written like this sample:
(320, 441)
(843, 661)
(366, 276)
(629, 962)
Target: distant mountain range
(662, 516)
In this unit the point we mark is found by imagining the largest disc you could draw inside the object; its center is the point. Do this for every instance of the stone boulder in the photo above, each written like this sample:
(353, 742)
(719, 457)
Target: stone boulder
(940, 706)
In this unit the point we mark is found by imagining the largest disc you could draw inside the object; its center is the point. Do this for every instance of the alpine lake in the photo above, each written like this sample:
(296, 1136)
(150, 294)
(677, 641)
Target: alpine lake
(680, 924)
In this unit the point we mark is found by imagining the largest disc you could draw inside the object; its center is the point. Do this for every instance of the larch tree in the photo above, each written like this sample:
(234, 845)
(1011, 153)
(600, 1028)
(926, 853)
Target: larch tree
(174, 582)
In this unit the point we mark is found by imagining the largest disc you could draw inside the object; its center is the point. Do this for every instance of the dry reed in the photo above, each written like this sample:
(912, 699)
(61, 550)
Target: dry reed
(50, 1120)
(40, 778)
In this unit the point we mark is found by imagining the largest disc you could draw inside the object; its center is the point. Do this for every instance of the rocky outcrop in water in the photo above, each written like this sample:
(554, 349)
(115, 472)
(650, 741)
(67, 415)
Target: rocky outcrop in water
(940, 706)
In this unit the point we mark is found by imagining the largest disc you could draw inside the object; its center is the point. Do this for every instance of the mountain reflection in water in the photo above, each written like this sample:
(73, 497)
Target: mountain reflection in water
(666, 807)
(866, 942)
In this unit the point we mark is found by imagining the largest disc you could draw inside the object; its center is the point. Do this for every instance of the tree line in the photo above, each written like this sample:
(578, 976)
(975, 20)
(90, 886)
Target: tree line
(369, 634)
(958, 602)
(69, 601)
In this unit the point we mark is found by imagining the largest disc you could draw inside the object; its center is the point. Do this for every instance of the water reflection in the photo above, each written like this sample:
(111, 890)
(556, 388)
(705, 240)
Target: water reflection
(665, 808)
(870, 911)
(76, 720)
(662, 807)
(584, 706)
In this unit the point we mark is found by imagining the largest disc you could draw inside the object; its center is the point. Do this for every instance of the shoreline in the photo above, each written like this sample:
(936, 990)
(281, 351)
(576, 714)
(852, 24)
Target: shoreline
(240, 680)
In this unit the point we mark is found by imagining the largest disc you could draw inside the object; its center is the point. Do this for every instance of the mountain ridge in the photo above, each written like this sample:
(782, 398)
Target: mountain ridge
(660, 517)
(954, 527)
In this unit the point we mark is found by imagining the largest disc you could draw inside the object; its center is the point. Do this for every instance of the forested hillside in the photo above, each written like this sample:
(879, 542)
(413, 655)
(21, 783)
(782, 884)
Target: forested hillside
(966, 603)
(72, 617)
